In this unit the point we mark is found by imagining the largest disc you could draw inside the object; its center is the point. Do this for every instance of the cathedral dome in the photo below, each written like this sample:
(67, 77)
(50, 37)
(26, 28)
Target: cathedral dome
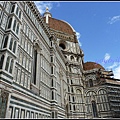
(60, 25)
(92, 65)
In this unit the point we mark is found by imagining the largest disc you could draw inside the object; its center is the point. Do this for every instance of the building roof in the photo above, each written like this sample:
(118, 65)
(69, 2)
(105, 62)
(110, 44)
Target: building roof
(60, 26)
(92, 65)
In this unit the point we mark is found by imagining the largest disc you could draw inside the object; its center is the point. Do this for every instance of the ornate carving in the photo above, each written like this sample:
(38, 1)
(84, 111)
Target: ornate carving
(3, 102)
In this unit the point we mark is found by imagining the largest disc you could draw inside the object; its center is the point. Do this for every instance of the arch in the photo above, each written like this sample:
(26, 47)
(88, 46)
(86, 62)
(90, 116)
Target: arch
(88, 93)
(78, 91)
(13, 8)
(17, 10)
(102, 91)
(11, 43)
(91, 106)
(9, 23)
(5, 42)
(90, 77)
(78, 96)
(102, 100)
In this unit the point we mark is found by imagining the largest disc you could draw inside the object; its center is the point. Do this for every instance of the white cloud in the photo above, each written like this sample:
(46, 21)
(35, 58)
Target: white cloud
(114, 19)
(116, 72)
(42, 6)
(78, 36)
(106, 57)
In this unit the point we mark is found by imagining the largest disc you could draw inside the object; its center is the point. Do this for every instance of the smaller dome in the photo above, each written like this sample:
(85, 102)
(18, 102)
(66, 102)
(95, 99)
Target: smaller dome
(92, 65)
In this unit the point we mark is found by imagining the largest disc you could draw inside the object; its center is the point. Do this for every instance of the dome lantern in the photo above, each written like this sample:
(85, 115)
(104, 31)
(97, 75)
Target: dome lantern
(47, 14)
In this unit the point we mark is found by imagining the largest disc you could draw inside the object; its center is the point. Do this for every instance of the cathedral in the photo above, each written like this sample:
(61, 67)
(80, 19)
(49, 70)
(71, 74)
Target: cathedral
(42, 69)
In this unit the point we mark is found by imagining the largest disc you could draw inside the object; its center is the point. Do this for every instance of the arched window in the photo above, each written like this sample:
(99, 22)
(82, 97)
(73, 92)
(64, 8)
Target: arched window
(90, 82)
(72, 89)
(11, 66)
(74, 107)
(51, 69)
(69, 98)
(35, 66)
(14, 47)
(103, 100)
(7, 63)
(5, 42)
(13, 7)
(14, 26)
(91, 105)
(68, 89)
(11, 42)
(9, 23)
(70, 107)
(51, 58)
(17, 11)
(20, 14)
(71, 82)
(73, 99)
(94, 108)
(52, 95)
(17, 30)
(72, 58)
(52, 82)
(1, 61)
(78, 96)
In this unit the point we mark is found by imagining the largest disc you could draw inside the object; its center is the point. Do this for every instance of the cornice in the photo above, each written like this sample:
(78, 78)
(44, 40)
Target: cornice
(38, 16)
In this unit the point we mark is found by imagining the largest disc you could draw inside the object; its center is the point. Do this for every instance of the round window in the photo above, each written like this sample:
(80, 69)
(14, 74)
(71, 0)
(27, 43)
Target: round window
(62, 45)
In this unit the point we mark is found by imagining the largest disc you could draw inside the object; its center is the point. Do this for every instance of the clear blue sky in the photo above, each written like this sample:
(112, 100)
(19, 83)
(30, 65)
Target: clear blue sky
(98, 24)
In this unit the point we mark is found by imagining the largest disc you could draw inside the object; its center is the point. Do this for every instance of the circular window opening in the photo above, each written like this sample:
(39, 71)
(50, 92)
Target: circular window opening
(62, 46)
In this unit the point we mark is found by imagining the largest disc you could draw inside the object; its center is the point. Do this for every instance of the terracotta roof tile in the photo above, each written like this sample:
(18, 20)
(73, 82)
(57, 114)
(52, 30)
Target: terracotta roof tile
(60, 26)
(91, 65)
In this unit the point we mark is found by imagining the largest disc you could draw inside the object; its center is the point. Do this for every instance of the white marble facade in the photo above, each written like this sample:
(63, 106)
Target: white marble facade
(41, 75)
